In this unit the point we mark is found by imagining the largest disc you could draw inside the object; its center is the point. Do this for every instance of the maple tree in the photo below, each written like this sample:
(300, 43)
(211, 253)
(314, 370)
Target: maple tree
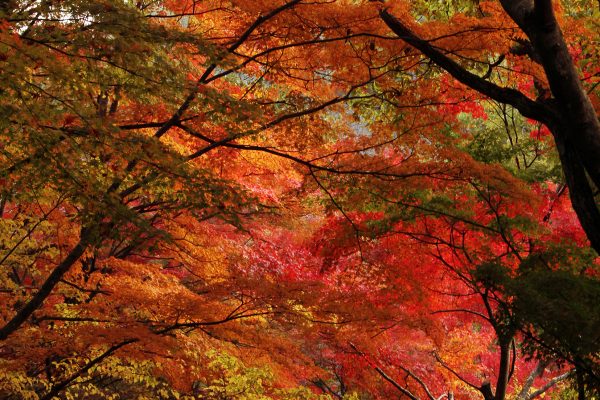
(562, 102)
(283, 199)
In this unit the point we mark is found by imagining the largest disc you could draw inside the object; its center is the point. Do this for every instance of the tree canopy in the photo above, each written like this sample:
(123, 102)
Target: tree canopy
(324, 199)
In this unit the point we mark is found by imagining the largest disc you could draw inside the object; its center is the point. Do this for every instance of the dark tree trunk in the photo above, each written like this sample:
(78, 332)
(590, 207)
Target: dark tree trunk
(580, 191)
(536, 18)
(569, 115)
(504, 370)
(486, 391)
(580, 384)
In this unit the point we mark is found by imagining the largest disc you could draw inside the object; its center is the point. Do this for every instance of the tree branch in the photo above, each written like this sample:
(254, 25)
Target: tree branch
(53, 279)
(550, 384)
(525, 105)
(57, 388)
(385, 376)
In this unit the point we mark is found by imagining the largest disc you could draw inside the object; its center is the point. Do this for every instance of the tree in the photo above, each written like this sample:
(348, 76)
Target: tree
(204, 198)
(563, 104)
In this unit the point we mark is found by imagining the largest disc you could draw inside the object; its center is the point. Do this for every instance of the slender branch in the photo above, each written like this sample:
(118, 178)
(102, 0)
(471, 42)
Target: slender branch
(453, 372)
(198, 324)
(395, 384)
(69, 319)
(341, 210)
(58, 387)
(419, 381)
(550, 384)
(462, 310)
(249, 59)
(20, 241)
(385, 376)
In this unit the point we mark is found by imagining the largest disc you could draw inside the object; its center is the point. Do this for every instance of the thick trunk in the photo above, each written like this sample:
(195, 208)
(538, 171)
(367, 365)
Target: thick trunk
(486, 391)
(571, 97)
(570, 115)
(580, 191)
(537, 20)
(580, 384)
(503, 371)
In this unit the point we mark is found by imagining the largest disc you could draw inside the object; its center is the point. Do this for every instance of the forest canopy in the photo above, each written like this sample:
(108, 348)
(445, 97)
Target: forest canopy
(299, 199)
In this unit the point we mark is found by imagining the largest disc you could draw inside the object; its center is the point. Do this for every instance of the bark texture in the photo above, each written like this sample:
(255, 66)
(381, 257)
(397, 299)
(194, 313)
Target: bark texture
(568, 114)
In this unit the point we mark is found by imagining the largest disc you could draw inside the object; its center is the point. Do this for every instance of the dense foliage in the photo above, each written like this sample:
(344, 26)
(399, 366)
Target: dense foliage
(324, 199)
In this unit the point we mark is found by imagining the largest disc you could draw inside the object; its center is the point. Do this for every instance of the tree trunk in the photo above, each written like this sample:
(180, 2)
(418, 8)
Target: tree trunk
(570, 115)
(503, 370)
(536, 18)
(580, 384)
(580, 191)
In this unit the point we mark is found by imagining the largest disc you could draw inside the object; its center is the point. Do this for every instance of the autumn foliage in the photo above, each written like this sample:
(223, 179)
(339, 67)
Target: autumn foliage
(269, 199)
